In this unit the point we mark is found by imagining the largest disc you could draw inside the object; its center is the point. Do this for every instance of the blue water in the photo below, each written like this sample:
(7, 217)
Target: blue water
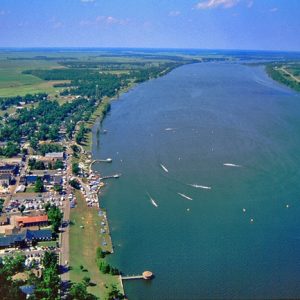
(208, 247)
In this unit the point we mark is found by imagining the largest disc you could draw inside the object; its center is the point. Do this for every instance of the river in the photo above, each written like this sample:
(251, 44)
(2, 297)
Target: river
(241, 237)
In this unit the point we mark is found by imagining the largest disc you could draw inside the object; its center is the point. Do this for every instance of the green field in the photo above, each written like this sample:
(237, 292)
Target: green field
(13, 82)
(83, 244)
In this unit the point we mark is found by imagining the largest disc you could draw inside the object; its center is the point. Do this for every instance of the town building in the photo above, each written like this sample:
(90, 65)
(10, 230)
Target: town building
(9, 169)
(55, 155)
(4, 220)
(25, 238)
(5, 179)
(28, 221)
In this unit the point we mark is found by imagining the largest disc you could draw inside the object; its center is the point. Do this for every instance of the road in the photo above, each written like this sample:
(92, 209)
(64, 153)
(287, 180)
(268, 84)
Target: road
(64, 257)
(290, 74)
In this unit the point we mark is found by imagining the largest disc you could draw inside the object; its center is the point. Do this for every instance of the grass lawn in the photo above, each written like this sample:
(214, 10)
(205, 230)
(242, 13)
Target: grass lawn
(30, 189)
(47, 244)
(83, 245)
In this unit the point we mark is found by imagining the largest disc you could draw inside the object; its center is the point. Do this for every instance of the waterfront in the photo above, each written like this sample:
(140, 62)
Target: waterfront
(207, 247)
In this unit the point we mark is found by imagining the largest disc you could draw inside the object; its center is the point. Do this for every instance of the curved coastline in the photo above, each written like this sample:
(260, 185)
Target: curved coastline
(98, 118)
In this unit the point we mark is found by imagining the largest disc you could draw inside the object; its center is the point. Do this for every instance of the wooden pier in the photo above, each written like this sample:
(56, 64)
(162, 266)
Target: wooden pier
(147, 275)
(133, 277)
(110, 176)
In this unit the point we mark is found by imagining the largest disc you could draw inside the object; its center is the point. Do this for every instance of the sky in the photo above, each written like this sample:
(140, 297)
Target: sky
(199, 24)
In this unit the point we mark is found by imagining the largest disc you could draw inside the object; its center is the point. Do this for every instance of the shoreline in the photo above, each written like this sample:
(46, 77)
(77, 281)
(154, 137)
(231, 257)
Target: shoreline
(98, 116)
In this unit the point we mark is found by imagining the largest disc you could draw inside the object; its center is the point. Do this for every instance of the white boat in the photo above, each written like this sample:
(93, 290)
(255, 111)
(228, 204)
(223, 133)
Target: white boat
(152, 200)
(231, 165)
(164, 168)
(154, 203)
(197, 186)
(185, 196)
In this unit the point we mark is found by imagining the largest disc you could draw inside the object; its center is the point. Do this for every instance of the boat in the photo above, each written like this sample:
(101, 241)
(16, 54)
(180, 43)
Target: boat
(231, 165)
(154, 203)
(197, 186)
(152, 200)
(164, 168)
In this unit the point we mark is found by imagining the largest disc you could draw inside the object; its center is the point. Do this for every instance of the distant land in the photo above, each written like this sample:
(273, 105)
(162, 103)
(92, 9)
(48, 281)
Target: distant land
(52, 104)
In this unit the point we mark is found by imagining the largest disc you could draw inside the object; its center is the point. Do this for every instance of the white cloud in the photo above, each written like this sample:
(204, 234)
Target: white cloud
(274, 9)
(109, 20)
(174, 13)
(87, 1)
(56, 24)
(250, 4)
(86, 23)
(106, 20)
(216, 3)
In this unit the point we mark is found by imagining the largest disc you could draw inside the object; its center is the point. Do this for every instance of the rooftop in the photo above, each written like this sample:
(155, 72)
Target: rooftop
(55, 155)
(37, 219)
(28, 235)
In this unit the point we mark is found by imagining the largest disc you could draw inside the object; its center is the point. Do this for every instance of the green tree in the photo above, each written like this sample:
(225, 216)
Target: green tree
(86, 280)
(39, 186)
(100, 253)
(48, 287)
(21, 208)
(114, 293)
(75, 184)
(55, 216)
(58, 165)
(58, 188)
(11, 149)
(75, 168)
(78, 291)
(34, 143)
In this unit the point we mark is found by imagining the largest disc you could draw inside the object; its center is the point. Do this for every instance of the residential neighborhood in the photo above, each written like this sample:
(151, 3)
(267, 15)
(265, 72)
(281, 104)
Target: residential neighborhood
(37, 193)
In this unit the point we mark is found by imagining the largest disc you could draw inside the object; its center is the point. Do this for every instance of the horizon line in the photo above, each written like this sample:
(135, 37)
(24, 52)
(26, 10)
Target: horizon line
(139, 48)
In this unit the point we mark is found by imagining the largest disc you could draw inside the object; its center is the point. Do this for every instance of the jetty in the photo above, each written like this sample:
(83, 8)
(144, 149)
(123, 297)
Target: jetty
(110, 176)
(147, 275)
(107, 160)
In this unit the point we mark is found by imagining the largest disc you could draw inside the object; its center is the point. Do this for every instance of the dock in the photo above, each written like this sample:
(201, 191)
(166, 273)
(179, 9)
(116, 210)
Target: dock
(133, 277)
(110, 176)
(147, 275)
(107, 160)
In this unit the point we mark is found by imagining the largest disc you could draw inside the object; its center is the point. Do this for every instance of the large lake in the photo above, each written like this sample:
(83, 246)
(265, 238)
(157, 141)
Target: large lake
(193, 121)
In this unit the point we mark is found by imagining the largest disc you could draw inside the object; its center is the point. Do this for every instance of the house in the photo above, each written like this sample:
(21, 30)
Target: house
(4, 220)
(16, 160)
(30, 179)
(5, 179)
(27, 221)
(25, 238)
(23, 180)
(55, 155)
(9, 169)
(57, 180)
(47, 178)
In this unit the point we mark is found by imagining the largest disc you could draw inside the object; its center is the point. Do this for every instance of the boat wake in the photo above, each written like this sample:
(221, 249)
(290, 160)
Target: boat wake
(231, 165)
(185, 196)
(164, 168)
(197, 186)
(169, 129)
